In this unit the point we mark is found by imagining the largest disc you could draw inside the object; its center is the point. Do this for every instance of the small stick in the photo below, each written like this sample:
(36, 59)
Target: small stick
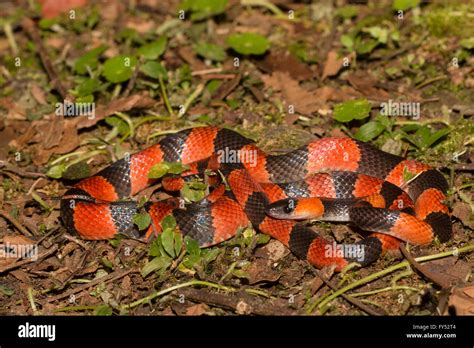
(47, 253)
(422, 269)
(15, 223)
(352, 300)
(20, 172)
(110, 277)
(30, 27)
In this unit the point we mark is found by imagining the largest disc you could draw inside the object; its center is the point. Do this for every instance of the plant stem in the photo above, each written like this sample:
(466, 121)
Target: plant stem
(390, 270)
(191, 98)
(165, 97)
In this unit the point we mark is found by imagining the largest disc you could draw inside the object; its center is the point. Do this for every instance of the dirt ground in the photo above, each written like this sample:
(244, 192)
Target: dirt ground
(398, 74)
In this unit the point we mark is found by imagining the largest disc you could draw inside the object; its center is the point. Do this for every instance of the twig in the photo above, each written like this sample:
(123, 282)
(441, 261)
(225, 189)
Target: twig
(133, 79)
(109, 277)
(77, 241)
(7, 28)
(430, 275)
(47, 253)
(15, 223)
(352, 300)
(30, 27)
(191, 98)
(206, 72)
(165, 97)
(156, 294)
(254, 304)
(430, 81)
(388, 271)
(32, 301)
(20, 172)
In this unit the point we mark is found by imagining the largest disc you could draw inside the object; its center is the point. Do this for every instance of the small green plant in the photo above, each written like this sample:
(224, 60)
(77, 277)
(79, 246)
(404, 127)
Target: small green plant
(248, 43)
(357, 109)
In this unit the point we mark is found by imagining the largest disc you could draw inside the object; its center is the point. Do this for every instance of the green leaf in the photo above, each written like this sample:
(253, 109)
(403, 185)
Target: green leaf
(119, 69)
(467, 43)
(177, 167)
(90, 59)
(347, 12)
(437, 135)
(56, 171)
(168, 223)
(381, 34)
(6, 290)
(87, 87)
(167, 238)
(248, 43)
(161, 262)
(366, 46)
(156, 248)
(347, 41)
(202, 9)
(369, 131)
(116, 121)
(77, 171)
(301, 51)
(178, 243)
(103, 310)
(263, 238)
(402, 5)
(153, 50)
(192, 246)
(158, 170)
(191, 194)
(210, 51)
(142, 220)
(154, 70)
(352, 109)
(210, 255)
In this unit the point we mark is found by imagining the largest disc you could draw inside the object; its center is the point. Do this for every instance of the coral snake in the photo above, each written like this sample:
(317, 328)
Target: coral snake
(333, 179)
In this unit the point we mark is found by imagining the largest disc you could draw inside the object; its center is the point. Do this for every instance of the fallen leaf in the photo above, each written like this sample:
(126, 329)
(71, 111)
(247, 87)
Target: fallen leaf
(332, 65)
(198, 309)
(53, 8)
(274, 251)
(463, 212)
(303, 101)
(461, 301)
(284, 61)
(451, 269)
(136, 101)
(38, 94)
(262, 271)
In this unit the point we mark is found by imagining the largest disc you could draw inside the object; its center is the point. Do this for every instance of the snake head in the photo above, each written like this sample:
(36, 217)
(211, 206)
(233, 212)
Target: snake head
(296, 209)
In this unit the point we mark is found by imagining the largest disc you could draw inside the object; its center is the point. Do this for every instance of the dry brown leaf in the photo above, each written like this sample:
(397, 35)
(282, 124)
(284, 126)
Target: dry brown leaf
(261, 271)
(198, 309)
(274, 251)
(38, 93)
(463, 212)
(450, 269)
(303, 101)
(332, 65)
(284, 61)
(136, 101)
(461, 301)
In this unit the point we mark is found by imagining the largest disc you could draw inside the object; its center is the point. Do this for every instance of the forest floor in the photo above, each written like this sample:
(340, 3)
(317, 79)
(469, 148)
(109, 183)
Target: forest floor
(396, 73)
